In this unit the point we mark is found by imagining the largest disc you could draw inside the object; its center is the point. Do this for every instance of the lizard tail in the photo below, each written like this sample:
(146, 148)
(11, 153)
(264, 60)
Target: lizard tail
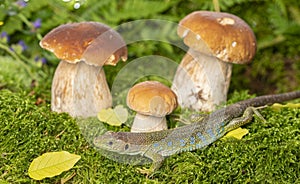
(269, 99)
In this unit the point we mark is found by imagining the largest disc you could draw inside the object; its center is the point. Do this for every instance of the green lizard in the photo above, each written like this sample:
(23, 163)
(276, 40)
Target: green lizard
(157, 145)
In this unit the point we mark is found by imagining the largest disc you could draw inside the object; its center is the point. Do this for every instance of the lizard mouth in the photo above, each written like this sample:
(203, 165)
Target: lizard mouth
(103, 141)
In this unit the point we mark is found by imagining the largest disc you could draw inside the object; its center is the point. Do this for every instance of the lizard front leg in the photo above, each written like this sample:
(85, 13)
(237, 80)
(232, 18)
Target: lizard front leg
(244, 119)
(157, 162)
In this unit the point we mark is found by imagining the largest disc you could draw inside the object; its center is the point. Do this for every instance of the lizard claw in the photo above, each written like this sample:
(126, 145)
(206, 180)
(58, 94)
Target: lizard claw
(145, 171)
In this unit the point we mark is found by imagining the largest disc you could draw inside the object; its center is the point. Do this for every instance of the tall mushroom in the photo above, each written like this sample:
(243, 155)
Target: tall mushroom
(215, 40)
(79, 84)
(152, 101)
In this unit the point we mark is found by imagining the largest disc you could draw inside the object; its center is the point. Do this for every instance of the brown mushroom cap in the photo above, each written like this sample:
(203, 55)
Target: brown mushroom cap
(151, 98)
(95, 43)
(223, 35)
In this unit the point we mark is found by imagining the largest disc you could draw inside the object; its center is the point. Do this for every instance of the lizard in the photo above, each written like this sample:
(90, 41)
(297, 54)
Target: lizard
(160, 144)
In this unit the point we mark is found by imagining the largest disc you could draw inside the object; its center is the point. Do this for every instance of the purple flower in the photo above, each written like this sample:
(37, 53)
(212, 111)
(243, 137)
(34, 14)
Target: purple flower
(19, 47)
(21, 3)
(37, 23)
(23, 45)
(44, 60)
(37, 58)
(4, 36)
(40, 59)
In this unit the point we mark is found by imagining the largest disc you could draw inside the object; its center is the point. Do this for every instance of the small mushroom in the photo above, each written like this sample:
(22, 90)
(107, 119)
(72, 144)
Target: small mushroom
(152, 101)
(79, 85)
(215, 40)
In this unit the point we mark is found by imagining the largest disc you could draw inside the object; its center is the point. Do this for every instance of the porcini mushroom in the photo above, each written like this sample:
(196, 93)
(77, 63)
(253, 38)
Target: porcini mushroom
(215, 40)
(152, 101)
(79, 84)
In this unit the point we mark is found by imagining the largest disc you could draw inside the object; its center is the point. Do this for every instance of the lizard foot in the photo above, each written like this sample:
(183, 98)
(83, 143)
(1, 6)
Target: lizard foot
(145, 171)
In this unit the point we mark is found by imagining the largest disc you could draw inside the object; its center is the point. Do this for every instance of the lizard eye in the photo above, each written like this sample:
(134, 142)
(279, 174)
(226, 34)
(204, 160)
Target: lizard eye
(110, 143)
(126, 147)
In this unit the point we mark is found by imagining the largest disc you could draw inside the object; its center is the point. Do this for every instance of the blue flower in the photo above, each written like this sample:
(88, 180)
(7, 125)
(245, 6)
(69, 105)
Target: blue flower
(4, 36)
(40, 59)
(19, 47)
(37, 23)
(21, 3)
(23, 45)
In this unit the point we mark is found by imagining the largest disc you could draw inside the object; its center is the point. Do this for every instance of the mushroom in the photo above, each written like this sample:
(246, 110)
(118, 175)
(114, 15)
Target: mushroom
(215, 41)
(152, 101)
(79, 84)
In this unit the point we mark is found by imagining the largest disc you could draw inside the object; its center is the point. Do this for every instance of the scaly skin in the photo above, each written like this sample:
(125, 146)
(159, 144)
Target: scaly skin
(157, 145)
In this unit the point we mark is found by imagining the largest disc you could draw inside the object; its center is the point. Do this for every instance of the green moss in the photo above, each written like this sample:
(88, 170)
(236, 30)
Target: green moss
(268, 154)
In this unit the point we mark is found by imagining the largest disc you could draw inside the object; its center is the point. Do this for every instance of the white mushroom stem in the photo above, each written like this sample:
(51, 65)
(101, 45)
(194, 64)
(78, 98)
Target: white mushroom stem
(201, 81)
(145, 123)
(79, 89)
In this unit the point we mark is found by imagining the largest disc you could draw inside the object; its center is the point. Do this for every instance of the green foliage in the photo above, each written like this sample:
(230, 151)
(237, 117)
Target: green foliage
(276, 25)
(13, 75)
(125, 10)
(268, 154)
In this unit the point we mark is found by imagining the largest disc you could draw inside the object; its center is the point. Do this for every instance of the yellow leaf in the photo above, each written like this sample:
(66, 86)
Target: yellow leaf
(105, 114)
(51, 164)
(114, 117)
(121, 113)
(277, 106)
(114, 120)
(238, 133)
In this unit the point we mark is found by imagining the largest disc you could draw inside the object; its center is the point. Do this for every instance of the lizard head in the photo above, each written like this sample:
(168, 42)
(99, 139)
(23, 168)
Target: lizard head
(110, 141)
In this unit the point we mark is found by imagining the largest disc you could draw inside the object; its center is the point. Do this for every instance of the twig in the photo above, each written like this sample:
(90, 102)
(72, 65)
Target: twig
(216, 5)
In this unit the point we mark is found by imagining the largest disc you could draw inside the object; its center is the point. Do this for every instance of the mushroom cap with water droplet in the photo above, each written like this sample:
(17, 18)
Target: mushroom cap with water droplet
(151, 98)
(92, 42)
(222, 35)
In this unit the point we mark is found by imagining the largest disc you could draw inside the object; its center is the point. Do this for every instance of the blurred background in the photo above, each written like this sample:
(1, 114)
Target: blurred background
(25, 66)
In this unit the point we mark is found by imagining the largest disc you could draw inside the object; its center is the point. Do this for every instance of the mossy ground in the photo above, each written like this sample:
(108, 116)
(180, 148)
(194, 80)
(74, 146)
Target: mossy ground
(268, 154)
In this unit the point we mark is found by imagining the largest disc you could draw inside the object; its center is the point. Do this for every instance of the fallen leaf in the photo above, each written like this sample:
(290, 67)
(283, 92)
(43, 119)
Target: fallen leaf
(277, 106)
(121, 113)
(114, 117)
(105, 114)
(238, 133)
(51, 164)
